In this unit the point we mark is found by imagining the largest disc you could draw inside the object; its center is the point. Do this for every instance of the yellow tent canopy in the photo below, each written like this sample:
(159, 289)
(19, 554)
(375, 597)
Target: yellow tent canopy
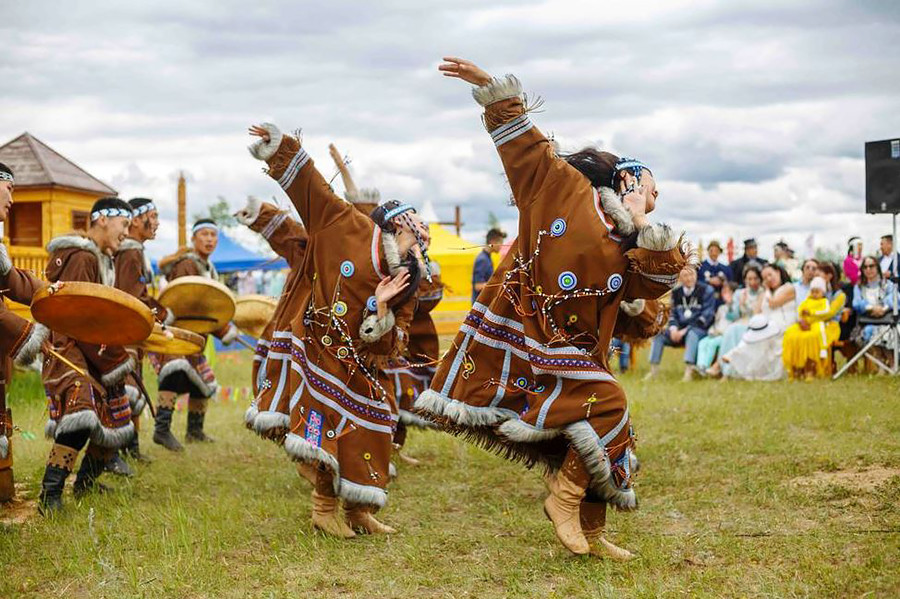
(456, 257)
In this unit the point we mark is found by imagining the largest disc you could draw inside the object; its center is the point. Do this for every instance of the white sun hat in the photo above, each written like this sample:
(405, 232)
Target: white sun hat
(759, 329)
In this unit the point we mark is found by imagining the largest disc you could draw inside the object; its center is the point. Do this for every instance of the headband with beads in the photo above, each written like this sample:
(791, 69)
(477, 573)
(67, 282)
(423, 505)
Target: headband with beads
(110, 212)
(148, 207)
(632, 165)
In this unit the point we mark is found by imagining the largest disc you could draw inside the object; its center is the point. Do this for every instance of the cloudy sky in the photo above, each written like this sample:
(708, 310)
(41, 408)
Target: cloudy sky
(752, 113)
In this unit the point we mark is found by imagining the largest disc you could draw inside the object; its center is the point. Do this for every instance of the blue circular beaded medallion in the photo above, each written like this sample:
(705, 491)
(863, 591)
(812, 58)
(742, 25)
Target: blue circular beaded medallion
(614, 282)
(522, 382)
(558, 227)
(347, 268)
(567, 281)
(339, 308)
(372, 304)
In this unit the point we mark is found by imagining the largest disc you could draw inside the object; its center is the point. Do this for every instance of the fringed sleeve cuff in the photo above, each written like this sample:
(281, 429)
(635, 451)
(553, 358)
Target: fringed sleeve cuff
(657, 237)
(249, 213)
(498, 89)
(117, 374)
(264, 150)
(374, 328)
(5, 261)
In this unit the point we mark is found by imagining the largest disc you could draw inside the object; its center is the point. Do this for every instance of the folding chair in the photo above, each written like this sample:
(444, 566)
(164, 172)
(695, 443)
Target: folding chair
(891, 323)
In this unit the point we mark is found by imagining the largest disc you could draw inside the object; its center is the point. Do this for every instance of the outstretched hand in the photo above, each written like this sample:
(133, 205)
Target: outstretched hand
(389, 288)
(460, 68)
(259, 131)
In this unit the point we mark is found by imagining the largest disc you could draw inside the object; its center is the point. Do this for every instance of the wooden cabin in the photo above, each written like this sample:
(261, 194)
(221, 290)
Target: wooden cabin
(53, 196)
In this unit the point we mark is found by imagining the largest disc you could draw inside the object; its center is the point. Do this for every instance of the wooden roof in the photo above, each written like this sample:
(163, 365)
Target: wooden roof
(35, 164)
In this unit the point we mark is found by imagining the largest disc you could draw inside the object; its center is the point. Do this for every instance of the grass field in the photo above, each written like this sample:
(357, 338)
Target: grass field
(782, 490)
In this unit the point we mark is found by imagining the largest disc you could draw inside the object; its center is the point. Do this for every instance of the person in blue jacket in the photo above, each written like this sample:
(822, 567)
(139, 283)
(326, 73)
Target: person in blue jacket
(714, 273)
(693, 312)
(484, 267)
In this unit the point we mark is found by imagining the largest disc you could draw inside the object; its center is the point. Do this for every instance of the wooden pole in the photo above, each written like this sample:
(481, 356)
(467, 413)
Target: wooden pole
(182, 211)
(458, 219)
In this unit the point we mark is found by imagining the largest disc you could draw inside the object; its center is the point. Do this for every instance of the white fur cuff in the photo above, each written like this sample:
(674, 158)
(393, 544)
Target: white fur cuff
(249, 213)
(230, 335)
(614, 208)
(374, 328)
(263, 150)
(170, 317)
(367, 195)
(657, 237)
(497, 89)
(32, 345)
(633, 308)
(5, 261)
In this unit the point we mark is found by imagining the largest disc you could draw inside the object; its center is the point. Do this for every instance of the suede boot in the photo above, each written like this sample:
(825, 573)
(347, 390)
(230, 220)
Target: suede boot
(326, 511)
(593, 524)
(563, 505)
(196, 416)
(116, 465)
(162, 430)
(133, 450)
(361, 520)
(307, 471)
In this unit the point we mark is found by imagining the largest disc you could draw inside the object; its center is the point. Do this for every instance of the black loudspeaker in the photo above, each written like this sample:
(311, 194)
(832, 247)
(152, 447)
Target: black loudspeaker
(883, 176)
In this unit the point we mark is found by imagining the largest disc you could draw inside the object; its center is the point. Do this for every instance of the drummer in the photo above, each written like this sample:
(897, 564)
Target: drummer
(20, 339)
(90, 409)
(134, 275)
(188, 375)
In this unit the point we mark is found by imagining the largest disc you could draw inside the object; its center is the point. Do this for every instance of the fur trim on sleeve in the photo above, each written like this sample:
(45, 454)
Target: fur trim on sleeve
(657, 237)
(170, 317)
(374, 328)
(249, 213)
(117, 374)
(497, 89)
(32, 345)
(263, 150)
(5, 261)
(368, 195)
(4, 447)
(632, 308)
(230, 335)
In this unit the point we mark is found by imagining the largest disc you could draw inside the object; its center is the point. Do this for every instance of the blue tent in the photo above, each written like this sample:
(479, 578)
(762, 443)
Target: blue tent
(232, 257)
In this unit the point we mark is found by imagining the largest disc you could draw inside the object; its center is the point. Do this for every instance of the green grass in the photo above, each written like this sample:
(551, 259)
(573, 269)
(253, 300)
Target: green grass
(722, 512)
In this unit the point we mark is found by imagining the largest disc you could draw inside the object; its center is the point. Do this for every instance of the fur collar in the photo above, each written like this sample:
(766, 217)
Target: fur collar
(131, 244)
(612, 205)
(79, 241)
(391, 252)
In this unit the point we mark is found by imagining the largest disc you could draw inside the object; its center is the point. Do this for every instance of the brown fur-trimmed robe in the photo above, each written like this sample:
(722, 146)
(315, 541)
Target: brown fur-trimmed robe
(20, 339)
(97, 402)
(341, 414)
(527, 374)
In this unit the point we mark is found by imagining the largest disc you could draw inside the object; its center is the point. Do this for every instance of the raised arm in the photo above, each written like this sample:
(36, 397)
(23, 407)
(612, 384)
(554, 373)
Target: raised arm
(129, 278)
(528, 157)
(286, 236)
(295, 172)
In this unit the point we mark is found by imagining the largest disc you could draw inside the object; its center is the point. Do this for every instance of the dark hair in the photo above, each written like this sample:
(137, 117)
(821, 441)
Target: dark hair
(807, 261)
(782, 273)
(888, 237)
(862, 270)
(598, 166)
(828, 268)
(752, 266)
(495, 233)
(731, 285)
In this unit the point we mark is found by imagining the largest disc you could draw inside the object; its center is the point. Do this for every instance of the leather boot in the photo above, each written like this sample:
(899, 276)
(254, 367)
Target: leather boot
(563, 505)
(133, 450)
(593, 523)
(326, 511)
(92, 466)
(196, 416)
(116, 465)
(59, 466)
(361, 520)
(162, 430)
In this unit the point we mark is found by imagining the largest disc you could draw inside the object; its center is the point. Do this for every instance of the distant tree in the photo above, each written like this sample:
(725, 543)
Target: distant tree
(832, 254)
(493, 221)
(220, 212)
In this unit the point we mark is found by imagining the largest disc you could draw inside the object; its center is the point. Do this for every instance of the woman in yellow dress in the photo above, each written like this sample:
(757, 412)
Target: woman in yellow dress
(806, 343)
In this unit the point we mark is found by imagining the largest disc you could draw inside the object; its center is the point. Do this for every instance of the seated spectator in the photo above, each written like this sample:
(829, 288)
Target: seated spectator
(693, 311)
(807, 343)
(758, 356)
(746, 302)
(751, 255)
(779, 297)
(708, 348)
(853, 261)
(807, 273)
(714, 273)
(873, 297)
